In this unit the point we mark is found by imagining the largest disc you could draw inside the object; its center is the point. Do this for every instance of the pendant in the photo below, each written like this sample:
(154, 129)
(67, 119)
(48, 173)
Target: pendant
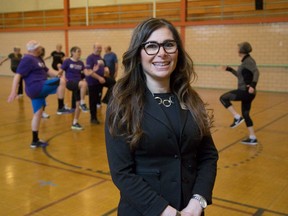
(164, 102)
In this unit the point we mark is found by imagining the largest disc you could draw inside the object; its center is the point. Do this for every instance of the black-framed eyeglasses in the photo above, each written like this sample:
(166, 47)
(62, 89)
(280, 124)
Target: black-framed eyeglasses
(152, 47)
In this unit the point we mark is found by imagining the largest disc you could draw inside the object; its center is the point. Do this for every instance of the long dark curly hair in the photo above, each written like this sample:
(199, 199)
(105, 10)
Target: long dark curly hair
(128, 96)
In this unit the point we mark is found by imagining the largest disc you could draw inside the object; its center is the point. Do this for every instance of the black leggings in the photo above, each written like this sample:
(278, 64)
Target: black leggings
(95, 94)
(246, 100)
(94, 97)
(74, 87)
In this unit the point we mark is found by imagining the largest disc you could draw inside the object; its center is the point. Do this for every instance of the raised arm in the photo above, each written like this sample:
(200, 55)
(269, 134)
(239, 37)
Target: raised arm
(5, 59)
(230, 69)
(92, 73)
(48, 57)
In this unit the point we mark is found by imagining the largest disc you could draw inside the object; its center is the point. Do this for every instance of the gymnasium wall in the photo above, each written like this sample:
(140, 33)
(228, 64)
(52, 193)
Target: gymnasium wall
(216, 45)
(34, 5)
(210, 46)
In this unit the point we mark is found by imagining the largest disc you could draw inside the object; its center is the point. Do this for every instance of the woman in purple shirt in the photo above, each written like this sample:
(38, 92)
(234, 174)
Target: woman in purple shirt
(76, 83)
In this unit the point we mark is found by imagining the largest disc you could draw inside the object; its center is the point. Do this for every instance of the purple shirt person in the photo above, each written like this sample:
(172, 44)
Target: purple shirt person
(34, 73)
(95, 64)
(76, 83)
(73, 69)
(91, 61)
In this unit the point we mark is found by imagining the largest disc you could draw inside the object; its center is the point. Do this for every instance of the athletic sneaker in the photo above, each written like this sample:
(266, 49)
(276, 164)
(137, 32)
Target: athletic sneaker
(94, 121)
(63, 111)
(76, 126)
(249, 141)
(38, 144)
(45, 115)
(84, 108)
(237, 122)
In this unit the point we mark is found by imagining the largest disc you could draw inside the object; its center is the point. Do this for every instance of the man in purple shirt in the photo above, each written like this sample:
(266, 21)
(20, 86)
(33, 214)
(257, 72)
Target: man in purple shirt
(34, 72)
(95, 64)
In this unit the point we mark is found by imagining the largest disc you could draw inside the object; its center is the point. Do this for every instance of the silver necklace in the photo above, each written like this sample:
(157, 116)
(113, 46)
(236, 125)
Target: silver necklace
(164, 102)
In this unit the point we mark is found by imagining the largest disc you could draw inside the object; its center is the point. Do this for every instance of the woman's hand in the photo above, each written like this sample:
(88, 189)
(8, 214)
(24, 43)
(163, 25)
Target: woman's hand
(169, 211)
(100, 62)
(192, 209)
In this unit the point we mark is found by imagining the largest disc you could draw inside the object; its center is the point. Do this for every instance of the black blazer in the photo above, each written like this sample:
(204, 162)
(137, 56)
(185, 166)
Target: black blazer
(163, 170)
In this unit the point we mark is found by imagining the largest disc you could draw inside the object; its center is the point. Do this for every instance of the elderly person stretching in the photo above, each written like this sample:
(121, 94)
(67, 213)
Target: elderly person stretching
(37, 87)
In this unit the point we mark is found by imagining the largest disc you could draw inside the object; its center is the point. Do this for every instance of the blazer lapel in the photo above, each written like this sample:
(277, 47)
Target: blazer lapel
(183, 118)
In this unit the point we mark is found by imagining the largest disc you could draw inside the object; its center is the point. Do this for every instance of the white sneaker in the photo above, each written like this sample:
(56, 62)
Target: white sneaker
(19, 96)
(45, 115)
(67, 107)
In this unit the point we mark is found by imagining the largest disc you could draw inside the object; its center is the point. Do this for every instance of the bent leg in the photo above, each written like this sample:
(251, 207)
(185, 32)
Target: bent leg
(109, 84)
(226, 99)
(61, 88)
(83, 89)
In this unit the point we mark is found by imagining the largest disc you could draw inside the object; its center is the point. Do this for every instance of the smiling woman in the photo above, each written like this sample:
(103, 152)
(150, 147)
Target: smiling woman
(161, 154)
(157, 63)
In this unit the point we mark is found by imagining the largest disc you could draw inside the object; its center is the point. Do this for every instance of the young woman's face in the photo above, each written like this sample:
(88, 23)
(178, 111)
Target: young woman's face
(76, 54)
(158, 67)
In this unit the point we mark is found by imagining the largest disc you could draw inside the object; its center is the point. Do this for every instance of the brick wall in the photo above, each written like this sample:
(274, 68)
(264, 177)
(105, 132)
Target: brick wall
(209, 46)
(214, 45)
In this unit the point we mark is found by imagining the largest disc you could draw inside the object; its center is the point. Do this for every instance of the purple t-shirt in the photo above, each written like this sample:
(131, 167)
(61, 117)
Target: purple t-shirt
(34, 73)
(90, 62)
(73, 69)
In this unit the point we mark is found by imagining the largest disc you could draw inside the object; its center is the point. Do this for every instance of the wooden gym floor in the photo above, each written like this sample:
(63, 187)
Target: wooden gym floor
(71, 176)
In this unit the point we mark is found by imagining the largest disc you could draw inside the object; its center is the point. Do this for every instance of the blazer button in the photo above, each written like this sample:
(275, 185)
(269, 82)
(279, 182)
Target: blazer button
(176, 156)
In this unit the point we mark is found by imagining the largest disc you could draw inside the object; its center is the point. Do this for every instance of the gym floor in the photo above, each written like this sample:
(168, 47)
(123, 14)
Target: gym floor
(71, 175)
